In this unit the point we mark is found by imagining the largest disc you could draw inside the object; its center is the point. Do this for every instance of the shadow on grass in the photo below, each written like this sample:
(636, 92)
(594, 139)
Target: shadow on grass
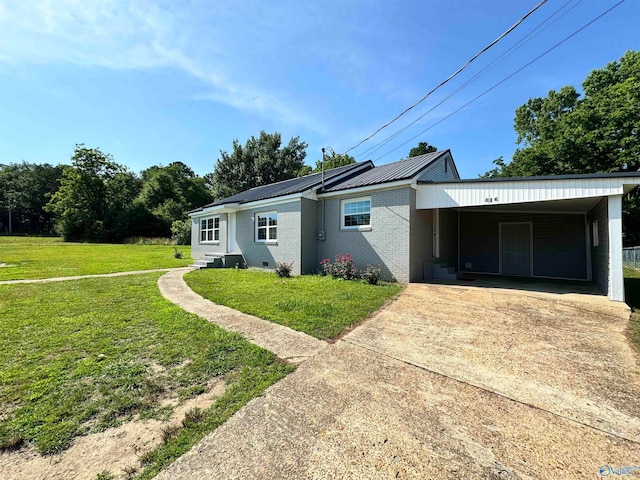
(632, 297)
(632, 292)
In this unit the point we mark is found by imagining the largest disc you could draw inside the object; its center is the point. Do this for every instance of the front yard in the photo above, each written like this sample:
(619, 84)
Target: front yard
(319, 306)
(82, 360)
(82, 356)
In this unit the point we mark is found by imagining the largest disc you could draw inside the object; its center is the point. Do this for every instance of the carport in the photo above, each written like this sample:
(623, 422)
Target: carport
(560, 227)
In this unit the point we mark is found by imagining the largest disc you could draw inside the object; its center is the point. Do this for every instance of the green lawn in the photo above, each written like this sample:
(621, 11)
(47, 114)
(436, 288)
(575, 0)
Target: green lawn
(85, 355)
(316, 305)
(45, 257)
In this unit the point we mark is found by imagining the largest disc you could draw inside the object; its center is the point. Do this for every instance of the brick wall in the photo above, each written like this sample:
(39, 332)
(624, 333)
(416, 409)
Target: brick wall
(288, 246)
(385, 243)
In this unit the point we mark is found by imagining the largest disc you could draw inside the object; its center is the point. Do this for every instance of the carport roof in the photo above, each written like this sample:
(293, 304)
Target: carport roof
(575, 176)
(519, 190)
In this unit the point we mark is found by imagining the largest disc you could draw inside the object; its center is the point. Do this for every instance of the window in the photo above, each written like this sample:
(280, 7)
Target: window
(266, 227)
(596, 237)
(356, 213)
(210, 229)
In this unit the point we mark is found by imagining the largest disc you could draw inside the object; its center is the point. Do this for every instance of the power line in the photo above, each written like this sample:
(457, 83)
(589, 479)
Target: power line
(506, 78)
(513, 27)
(516, 46)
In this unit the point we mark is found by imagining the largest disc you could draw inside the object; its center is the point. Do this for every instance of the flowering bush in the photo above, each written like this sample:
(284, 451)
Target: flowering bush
(371, 274)
(342, 267)
(327, 267)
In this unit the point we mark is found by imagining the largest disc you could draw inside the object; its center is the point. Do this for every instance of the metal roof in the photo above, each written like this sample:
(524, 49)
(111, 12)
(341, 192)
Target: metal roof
(391, 172)
(573, 176)
(288, 187)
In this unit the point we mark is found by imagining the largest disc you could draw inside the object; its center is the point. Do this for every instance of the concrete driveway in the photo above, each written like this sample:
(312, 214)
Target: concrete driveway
(447, 382)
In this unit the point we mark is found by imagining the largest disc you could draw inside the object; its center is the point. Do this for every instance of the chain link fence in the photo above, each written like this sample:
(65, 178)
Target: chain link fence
(631, 257)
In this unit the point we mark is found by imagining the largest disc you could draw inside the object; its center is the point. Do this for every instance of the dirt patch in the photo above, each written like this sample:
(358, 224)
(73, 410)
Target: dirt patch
(114, 450)
(6, 265)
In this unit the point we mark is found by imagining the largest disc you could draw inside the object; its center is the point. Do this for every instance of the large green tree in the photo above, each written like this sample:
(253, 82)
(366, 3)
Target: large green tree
(259, 161)
(168, 193)
(597, 132)
(566, 133)
(421, 149)
(94, 194)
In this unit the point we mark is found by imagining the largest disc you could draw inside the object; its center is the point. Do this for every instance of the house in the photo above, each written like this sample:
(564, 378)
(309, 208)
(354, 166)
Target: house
(419, 220)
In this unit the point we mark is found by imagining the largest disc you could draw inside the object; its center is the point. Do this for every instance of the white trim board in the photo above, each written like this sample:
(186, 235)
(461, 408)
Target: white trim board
(489, 194)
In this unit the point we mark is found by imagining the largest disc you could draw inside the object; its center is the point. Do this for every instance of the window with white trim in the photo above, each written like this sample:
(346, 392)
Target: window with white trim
(356, 213)
(266, 227)
(210, 230)
(595, 233)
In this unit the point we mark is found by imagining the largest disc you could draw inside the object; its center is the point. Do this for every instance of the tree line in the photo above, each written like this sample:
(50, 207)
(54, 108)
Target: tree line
(97, 199)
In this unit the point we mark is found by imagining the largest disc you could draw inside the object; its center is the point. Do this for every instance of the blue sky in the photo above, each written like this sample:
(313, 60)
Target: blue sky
(152, 82)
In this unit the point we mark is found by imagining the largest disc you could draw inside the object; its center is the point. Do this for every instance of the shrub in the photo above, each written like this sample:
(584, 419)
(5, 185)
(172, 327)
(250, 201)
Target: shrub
(342, 267)
(371, 274)
(181, 232)
(283, 269)
(177, 253)
(327, 267)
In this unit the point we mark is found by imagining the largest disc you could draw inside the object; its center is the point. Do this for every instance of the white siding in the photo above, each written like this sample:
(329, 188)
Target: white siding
(468, 194)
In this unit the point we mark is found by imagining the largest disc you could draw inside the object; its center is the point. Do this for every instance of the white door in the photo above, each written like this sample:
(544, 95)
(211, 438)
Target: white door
(232, 245)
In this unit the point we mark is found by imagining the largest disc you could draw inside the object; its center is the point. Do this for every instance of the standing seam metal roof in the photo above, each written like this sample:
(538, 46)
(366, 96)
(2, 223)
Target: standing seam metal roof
(391, 172)
(285, 187)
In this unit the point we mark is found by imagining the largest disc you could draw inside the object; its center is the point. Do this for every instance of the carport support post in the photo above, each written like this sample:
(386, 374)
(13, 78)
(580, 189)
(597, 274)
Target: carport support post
(616, 274)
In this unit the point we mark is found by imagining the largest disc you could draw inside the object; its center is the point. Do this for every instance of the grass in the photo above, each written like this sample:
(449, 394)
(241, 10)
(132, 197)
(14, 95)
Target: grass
(632, 296)
(82, 356)
(319, 306)
(45, 257)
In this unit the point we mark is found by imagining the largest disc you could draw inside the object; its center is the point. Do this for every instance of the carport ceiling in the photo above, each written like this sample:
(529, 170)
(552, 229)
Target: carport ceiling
(576, 205)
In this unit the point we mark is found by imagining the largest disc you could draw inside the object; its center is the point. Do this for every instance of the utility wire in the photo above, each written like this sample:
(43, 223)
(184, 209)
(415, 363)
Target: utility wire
(513, 27)
(519, 44)
(506, 78)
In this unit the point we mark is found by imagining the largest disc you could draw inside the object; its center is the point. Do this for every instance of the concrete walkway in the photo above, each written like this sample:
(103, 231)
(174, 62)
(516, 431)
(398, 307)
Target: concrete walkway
(80, 277)
(288, 344)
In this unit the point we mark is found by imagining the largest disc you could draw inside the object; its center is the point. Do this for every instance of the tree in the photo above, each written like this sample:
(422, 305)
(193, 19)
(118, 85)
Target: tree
(421, 149)
(93, 191)
(564, 133)
(260, 161)
(334, 160)
(168, 193)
